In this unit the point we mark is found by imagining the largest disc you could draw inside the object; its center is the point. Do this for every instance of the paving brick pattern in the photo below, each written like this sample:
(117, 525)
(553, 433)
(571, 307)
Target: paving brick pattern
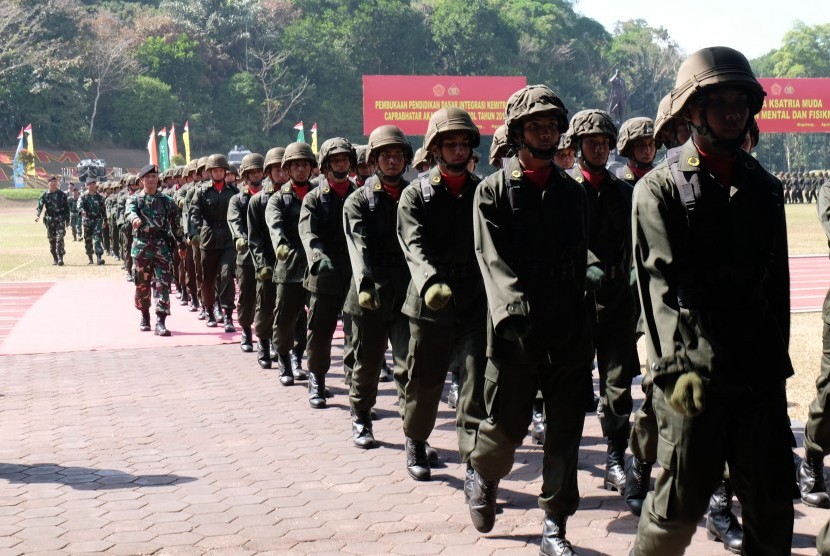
(195, 450)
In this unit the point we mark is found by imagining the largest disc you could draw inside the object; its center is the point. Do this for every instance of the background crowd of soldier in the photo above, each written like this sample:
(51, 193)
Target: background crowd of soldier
(519, 285)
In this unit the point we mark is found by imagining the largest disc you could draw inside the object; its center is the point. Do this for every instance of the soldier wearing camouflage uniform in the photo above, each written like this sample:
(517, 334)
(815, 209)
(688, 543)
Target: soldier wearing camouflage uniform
(152, 216)
(54, 206)
(712, 270)
(125, 228)
(92, 210)
(251, 170)
(380, 277)
(209, 230)
(262, 253)
(111, 206)
(445, 303)
(74, 215)
(282, 215)
(329, 269)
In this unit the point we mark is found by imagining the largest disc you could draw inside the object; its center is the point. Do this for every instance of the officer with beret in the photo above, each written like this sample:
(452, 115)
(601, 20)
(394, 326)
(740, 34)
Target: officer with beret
(156, 230)
(55, 218)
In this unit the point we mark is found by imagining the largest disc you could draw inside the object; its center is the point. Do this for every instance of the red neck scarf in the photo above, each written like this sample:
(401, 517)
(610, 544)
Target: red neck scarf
(719, 165)
(594, 178)
(539, 177)
(394, 192)
(219, 185)
(300, 190)
(639, 172)
(454, 184)
(340, 188)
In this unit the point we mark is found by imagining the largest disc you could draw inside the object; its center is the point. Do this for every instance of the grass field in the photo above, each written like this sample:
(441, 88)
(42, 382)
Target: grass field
(24, 256)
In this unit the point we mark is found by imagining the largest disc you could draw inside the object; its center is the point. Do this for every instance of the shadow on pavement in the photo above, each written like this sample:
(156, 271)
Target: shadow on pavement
(83, 478)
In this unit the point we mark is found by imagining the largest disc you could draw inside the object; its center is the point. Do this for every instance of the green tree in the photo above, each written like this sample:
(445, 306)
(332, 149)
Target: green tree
(805, 52)
(130, 113)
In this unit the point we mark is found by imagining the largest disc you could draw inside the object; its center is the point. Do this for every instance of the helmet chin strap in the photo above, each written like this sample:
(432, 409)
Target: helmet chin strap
(388, 178)
(340, 175)
(591, 167)
(718, 142)
(453, 167)
(541, 154)
(641, 165)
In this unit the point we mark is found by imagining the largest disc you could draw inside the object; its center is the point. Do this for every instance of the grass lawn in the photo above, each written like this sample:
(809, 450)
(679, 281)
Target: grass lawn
(24, 256)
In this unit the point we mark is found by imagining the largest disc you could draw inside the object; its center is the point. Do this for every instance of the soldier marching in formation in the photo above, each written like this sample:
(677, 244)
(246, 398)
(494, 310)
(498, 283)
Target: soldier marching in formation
(517, 282)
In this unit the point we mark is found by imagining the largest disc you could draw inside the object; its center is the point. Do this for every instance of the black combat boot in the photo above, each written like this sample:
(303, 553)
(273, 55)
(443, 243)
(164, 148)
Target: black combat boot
(185, 299)
(194, 306)
(144, 324)
(161, 329)
(482, 503)
(54, 256)
(263, 356)
(614, 462)
(220, 318)
(90, 260)
(229, 321)
(554, 542)
(362, 429)
(211, 318)
(452, 396)
(385, 373)
(811, 481)
(60, 260)
(286, 376)
(272, 349)
(245, 343)
(538, 426)
(468, 482)
(417, 463)
(637, 483)
(317, 390)
(721, 523)
(100, 260)
(297, 364)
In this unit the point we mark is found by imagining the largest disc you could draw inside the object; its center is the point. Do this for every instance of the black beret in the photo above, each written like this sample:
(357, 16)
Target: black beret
(149, 169)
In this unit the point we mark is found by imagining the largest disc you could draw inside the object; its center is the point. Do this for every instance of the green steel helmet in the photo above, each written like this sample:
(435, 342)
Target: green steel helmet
(251, 161)
(566, 141)
(593, 121)
(421, 156)
(448, 119)
(333, 146)
(132, 179)
(361, 152)
(200, 164)
(631, 130)
(233, 169)
(189, 168)
(500, 147)
(714, 66)
(532, 100)
(388, 136)
(274, 157)
(298, 151)
(217, 161)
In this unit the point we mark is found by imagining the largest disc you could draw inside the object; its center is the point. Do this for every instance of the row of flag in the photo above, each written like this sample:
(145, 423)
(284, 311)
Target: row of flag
(162, 150)
(163, 146)
(26, 142)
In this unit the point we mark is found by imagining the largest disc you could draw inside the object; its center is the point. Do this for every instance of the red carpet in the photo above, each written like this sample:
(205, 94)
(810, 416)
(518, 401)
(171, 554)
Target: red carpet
(91, 315)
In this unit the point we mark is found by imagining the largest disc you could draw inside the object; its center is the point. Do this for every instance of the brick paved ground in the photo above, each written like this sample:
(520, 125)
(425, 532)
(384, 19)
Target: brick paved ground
(197, 451)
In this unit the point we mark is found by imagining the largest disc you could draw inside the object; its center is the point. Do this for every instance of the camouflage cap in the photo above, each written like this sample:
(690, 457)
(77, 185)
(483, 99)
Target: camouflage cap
(447, 119)
(333, 146)
(531, 100)
(593, 121)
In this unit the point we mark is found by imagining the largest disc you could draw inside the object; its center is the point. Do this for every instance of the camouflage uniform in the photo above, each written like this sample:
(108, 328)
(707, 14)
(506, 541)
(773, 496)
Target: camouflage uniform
(56, 218)
(91, 207)
(152, 247)
(75, 217)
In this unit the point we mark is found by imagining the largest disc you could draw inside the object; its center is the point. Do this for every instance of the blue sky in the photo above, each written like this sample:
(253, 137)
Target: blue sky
(754, 27)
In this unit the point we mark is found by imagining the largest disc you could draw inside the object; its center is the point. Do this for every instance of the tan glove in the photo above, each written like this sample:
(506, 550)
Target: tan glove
(266, 273)
(283, 250)
(437, 296)
(241, 245)
(686, 394)
(195, 241)
(369, 298)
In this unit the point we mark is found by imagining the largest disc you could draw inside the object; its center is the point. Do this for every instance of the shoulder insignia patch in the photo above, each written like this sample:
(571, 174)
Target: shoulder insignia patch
(629, 175)
(286, 188)
(436, 179)
(326, 189)
(516, 174)
(693, 161)
(378, 186)
(580, 178)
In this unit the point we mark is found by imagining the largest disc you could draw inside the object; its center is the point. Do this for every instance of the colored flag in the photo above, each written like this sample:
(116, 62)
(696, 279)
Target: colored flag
(314, 138)
(172, 148)
(30, 146)
(164, 159)
(17, 165)
(151, 148)
(301, 129)
(186, 141)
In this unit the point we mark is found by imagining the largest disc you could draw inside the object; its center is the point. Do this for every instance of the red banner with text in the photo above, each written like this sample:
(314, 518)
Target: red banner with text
(797, 105)
(408, 101)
